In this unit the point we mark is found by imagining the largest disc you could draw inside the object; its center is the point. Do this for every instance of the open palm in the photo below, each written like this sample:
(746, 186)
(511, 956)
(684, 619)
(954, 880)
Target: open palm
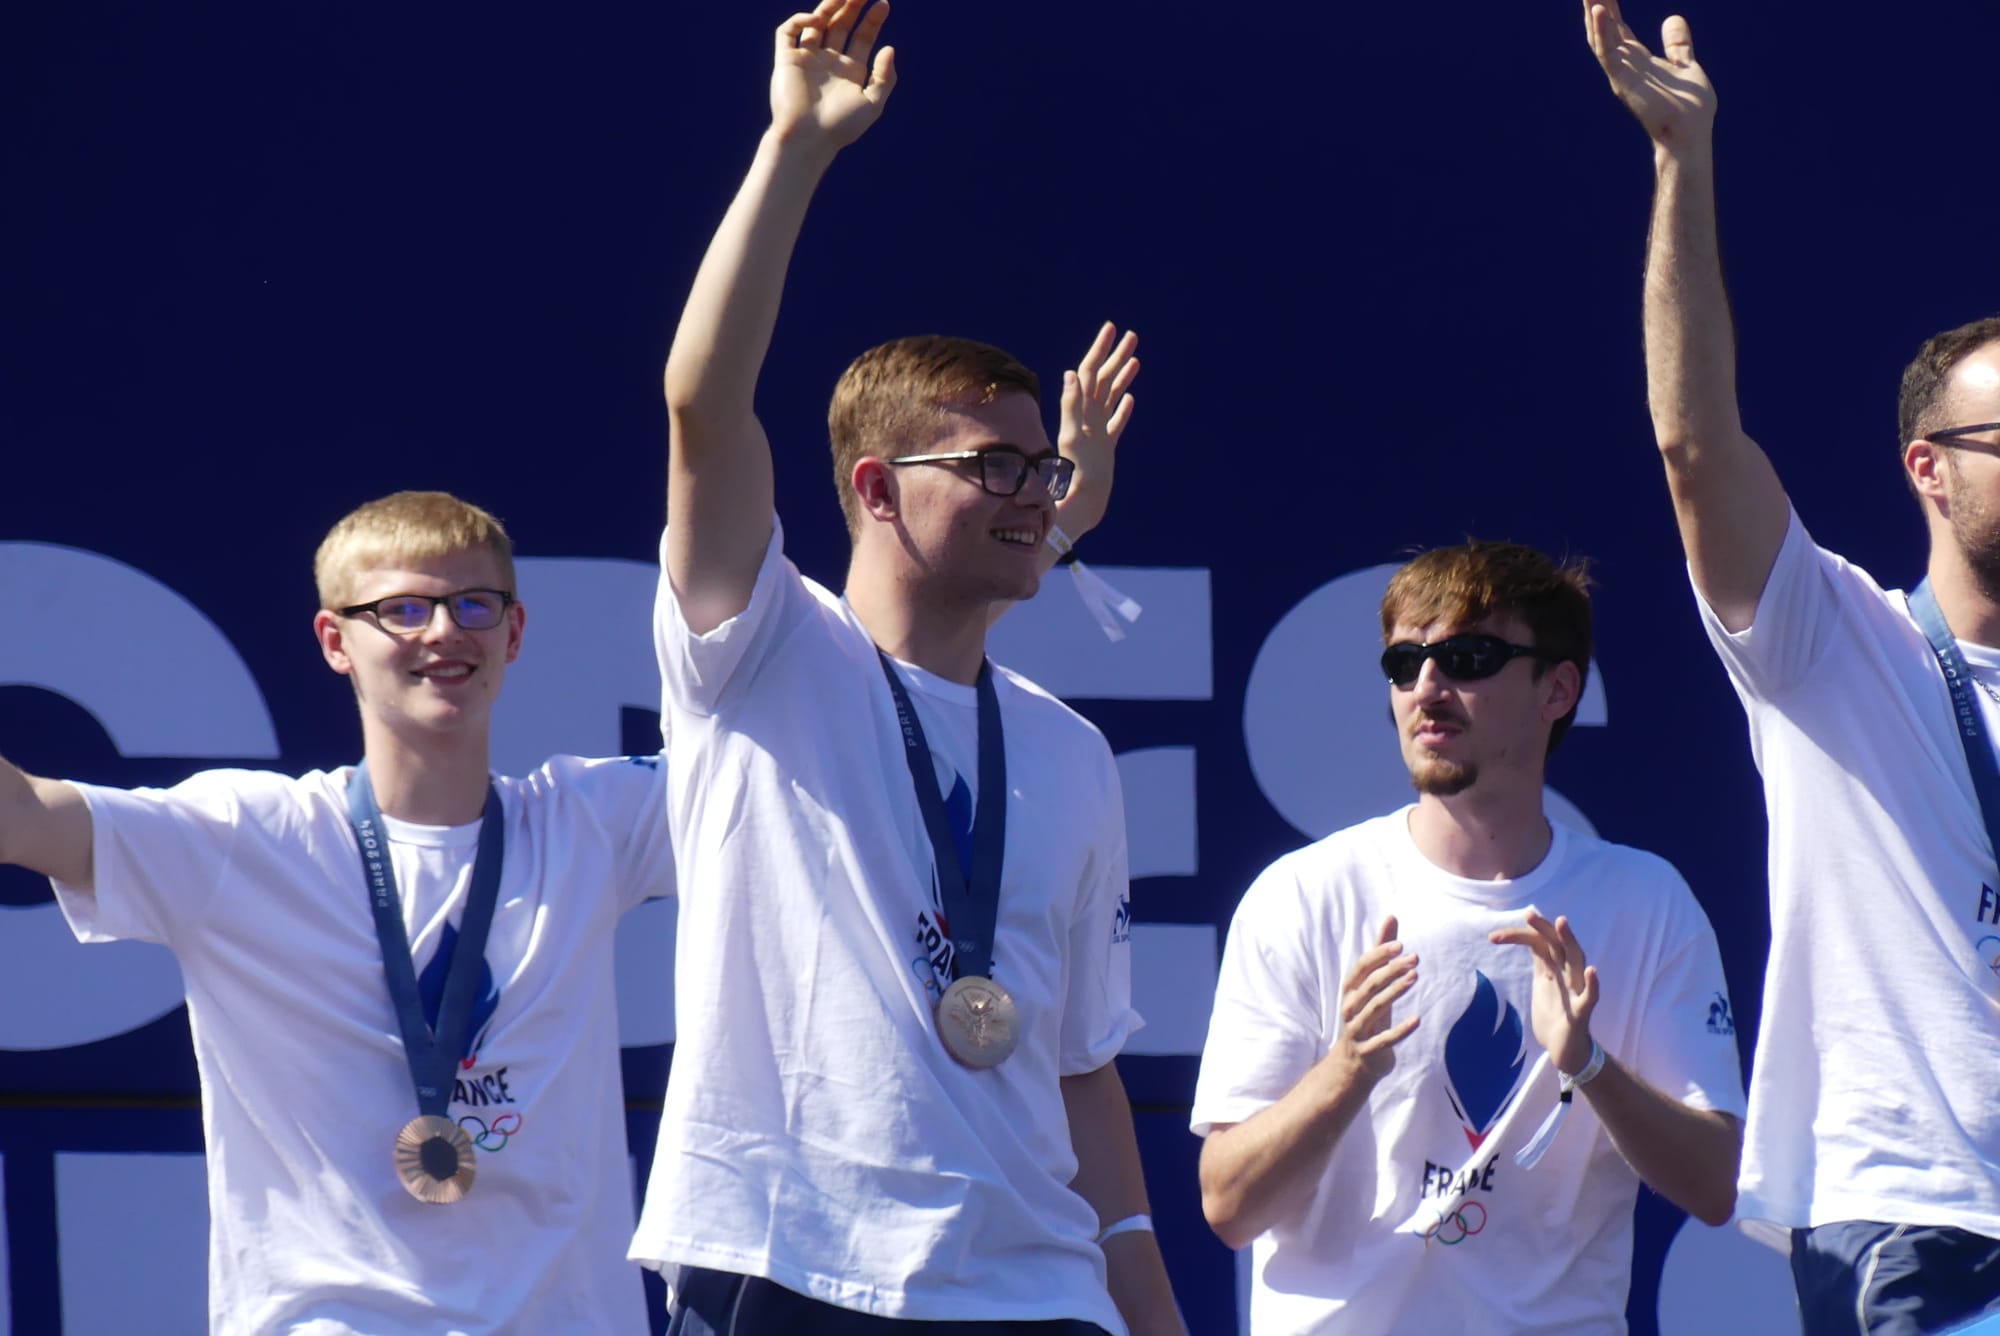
(1669, 93)
(823, 81)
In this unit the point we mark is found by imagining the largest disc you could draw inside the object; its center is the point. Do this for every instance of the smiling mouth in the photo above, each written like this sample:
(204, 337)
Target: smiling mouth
(1027, 538)
(443, 672)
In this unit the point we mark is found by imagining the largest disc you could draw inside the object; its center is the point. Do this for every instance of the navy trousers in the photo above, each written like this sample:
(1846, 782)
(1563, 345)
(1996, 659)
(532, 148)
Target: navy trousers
(1865, 1278)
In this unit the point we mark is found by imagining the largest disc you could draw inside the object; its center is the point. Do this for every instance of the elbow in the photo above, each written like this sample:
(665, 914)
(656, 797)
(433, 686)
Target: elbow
(1223, 1210)
(1717, 1209)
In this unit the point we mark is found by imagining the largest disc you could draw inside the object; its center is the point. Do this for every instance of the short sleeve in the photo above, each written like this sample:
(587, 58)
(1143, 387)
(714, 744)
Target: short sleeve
(1097, 1009)
(1687, 1036)
(1797, 614)
(625, 799)
(699, 672)
(1265, 1032)
(157, 856)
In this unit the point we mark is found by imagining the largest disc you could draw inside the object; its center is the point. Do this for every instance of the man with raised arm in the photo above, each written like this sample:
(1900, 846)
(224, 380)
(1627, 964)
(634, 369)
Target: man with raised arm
(903, 966)
(1379, 1128)
(1873, 1146)
(409, 1064)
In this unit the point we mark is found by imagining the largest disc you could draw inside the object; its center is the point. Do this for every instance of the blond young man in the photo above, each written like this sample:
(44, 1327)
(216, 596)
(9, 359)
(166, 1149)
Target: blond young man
(1379, 1126)
(1873, 1149)
(332, 1208)
(885, 1110)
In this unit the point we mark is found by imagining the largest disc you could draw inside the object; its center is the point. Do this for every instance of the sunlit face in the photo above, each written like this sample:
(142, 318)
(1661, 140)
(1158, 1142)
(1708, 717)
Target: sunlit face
(440, 680)
(967, 544)
(1969, 467)
(1457, 734)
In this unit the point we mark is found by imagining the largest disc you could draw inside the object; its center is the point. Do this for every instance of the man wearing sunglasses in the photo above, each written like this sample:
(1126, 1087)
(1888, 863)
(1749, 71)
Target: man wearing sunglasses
(903, 963)
(399, 975)
(1408, 1009)
(1873, 1148)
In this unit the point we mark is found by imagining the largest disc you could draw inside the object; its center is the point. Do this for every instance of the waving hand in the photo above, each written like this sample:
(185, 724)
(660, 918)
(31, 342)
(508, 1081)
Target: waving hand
(1669, 93)
(823, 81)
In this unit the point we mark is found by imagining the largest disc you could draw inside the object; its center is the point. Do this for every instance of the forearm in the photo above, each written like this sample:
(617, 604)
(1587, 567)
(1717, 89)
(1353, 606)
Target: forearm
(44, 826)
(1690, 338)
(1728, 501)
(732, 309)
(1110, 1178)
(1263, 1170)
(1687, 1155)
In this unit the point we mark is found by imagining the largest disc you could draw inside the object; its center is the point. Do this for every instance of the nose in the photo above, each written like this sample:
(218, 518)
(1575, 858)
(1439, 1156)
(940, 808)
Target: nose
(1431, 683)
(440, 627)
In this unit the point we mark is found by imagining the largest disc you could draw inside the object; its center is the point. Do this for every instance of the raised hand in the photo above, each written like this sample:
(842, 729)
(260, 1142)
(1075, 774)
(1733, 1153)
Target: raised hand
(1565, 989)
(1367, 996)
(1669, 93)
(823, 83)
(1096, 406)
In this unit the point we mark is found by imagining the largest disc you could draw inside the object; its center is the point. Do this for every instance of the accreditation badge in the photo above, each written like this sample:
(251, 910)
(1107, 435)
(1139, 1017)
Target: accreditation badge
(434, 1159)
(978, 1022)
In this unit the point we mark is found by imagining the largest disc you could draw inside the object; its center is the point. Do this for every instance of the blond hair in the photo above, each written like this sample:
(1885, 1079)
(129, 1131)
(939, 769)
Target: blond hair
(406, 526)
(890, 400)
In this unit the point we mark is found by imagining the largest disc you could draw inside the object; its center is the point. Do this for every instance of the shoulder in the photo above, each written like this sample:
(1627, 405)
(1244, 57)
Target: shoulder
(585, 781)
(1053, 722)
(1323, 875)
(1642, 881)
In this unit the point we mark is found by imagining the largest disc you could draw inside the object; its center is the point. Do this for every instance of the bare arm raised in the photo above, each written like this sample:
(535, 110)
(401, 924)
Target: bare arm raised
(44, 826)
(825, 92)
(1727, 497)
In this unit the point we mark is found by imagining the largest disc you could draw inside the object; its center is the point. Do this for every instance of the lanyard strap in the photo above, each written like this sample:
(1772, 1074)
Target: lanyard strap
(971, 897)
(1965, 710)
(431, 1053)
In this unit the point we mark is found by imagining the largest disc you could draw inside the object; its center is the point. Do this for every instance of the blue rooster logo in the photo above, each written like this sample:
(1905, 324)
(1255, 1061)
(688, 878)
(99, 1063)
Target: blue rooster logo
(1484, 1056)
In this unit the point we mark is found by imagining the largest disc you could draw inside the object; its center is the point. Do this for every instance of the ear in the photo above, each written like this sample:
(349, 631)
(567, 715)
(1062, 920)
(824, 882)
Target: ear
(1927, 465)
(1562, 687)
(517, 622)
(874, 482)
(332, 637)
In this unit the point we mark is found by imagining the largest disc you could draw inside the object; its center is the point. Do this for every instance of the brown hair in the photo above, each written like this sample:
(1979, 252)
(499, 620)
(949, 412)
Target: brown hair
(1458, 586)
(1919, 407)
(406, 526)
(889, 399)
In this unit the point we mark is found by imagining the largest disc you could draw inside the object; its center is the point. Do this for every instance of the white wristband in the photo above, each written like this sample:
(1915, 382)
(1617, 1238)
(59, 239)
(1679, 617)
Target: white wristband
(1104, 603)
(1588, 1072)
(1131, 1224)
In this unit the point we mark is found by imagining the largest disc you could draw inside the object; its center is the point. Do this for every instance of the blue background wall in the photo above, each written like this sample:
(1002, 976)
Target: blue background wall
(265, 262)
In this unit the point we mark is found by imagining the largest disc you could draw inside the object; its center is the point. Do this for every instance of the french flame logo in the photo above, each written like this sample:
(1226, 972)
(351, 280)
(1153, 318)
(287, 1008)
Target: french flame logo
(1484, 1056)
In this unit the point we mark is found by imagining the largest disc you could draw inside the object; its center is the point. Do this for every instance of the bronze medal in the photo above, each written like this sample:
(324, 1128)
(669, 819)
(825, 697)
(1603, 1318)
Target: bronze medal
(434, 1159)
(978, 1023)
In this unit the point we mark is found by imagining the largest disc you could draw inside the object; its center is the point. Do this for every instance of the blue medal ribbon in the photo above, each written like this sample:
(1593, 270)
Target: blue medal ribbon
(431, 1054)
(971, 899)
(1965, 710)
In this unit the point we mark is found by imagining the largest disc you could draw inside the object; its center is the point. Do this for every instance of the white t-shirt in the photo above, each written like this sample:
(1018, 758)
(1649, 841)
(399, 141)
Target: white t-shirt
(816, 1132)
(254, 880)
(1875, 1094)
(1423, 1221)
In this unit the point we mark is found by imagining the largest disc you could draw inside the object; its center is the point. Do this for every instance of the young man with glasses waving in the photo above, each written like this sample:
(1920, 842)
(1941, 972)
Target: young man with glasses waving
(903, 963)
(399, 975)
(1407, 1008)
(1874, 1138)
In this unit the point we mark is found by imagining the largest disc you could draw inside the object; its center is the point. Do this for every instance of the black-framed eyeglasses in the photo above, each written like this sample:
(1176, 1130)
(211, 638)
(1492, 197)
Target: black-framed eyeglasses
(1003, 470)
(1951, 435)
(408, 614)
(1462, 658)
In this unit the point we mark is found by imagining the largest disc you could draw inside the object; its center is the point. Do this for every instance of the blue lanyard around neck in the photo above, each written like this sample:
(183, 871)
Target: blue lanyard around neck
(431, 1054)
(971, 896)
(1972, 734)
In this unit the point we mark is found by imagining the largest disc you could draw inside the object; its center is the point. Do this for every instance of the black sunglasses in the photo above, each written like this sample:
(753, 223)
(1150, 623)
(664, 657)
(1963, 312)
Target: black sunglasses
(1950, 435)
(1463, 658)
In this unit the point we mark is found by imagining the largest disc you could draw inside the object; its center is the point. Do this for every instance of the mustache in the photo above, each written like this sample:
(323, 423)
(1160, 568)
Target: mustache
(1427, 716)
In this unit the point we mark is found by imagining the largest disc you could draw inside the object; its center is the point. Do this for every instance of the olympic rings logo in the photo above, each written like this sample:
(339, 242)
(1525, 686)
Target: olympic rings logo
(1457, 1227)
(492, 1136)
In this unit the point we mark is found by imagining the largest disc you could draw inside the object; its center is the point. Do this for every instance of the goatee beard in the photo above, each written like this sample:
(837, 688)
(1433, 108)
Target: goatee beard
(1443, 779)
